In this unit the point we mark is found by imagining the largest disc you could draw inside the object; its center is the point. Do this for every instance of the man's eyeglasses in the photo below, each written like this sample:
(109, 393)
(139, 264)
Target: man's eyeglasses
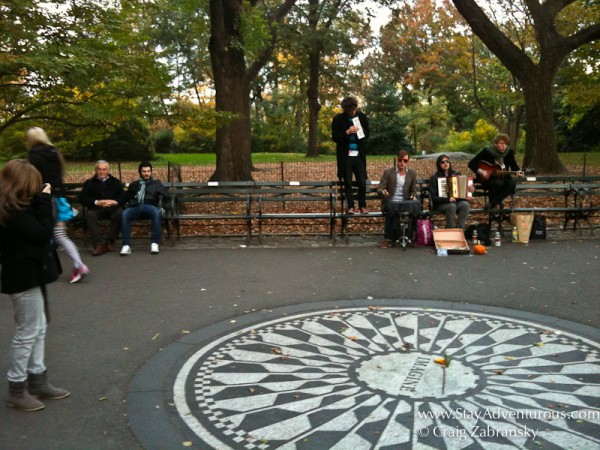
(405, 160)
(445, 161)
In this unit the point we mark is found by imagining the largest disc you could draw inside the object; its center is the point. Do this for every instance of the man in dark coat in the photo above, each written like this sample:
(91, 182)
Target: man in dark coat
(491, 164)
(349, 130)
(104, 198)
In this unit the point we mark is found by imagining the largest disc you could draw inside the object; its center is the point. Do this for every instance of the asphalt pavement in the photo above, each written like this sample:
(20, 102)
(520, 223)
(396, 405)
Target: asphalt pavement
(129, 309)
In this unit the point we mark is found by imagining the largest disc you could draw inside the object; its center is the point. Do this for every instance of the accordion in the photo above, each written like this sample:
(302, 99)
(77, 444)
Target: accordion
(456, 186)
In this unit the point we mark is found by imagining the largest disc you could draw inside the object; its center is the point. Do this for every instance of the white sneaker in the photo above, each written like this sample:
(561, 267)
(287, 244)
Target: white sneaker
(126, 250)
(154, 249)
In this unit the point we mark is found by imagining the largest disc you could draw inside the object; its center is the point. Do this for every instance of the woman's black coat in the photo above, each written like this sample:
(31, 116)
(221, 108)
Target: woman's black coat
(27, 255)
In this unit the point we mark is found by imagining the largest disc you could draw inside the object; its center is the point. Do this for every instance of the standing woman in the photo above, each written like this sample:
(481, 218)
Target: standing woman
(28, 263)
(51, 164)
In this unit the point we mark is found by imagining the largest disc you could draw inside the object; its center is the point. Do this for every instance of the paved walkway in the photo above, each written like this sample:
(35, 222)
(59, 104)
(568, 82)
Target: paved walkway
(142, 328)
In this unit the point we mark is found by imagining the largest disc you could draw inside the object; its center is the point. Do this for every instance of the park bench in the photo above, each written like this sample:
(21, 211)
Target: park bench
(247, 206)
(71, 192)
(292, 202)
(572, 198)
(79, 223)
(569, 198)
(373, 207)
(212, 201)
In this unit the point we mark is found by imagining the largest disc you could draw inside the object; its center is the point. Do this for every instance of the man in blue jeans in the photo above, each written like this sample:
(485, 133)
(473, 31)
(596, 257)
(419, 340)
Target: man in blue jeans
(143, 199)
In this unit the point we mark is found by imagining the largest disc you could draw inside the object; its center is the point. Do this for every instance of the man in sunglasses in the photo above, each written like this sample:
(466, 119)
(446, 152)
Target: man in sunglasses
(349, 130)
(450, 206)
(398, 189)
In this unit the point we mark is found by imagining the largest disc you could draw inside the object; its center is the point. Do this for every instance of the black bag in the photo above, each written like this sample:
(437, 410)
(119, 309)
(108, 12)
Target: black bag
(483, 233)
(538, 229)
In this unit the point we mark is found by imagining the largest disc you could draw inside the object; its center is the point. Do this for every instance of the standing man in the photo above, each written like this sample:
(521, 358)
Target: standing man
(104, 198)
(349, 130)
(143, 200)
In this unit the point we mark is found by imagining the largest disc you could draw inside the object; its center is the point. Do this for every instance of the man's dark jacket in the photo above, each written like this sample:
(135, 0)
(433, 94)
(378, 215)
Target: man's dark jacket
(154, 191)
(340, 123)
(95, 189)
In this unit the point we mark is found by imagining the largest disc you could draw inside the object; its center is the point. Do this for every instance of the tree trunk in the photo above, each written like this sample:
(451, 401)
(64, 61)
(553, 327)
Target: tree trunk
(540, 149)
(514, 125)
(536, 79)
(313, 104)
(312, 92)
(232, 143)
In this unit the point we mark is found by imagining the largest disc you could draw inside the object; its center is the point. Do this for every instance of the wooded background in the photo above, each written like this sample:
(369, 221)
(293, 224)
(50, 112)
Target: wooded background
(122, 81)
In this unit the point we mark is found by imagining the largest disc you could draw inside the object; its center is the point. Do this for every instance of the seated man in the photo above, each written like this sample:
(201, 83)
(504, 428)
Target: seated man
(493, 166)
(450, 206)
(143, 199)
(398, 188)
(103, 196)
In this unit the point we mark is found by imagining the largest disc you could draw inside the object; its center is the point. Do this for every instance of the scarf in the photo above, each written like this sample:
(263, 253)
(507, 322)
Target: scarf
(142, 192)
(498, 155)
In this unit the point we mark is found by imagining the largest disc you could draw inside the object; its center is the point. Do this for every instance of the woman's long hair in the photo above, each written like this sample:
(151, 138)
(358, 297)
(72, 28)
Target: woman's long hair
(438, 163)
(19, 182)
(37, 136)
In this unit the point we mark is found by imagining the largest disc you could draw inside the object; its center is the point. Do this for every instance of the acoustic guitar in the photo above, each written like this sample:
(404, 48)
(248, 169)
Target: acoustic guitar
(495, 171)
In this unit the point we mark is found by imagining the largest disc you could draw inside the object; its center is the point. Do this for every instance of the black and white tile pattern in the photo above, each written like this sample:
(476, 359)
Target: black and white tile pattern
(361, 378)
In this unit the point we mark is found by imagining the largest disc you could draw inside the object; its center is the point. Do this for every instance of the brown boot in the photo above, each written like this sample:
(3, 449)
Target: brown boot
(99, 250)
(20, 399)
(38, 386)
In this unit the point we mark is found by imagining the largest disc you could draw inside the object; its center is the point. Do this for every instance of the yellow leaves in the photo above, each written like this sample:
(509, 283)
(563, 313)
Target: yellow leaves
(444, 361)
(278, 351)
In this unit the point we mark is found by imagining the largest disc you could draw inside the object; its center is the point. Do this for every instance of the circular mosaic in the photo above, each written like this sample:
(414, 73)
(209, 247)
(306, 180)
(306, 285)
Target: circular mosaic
(393, 377)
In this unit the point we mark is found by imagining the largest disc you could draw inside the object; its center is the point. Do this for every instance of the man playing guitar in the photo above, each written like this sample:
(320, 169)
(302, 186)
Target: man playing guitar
(493, 167)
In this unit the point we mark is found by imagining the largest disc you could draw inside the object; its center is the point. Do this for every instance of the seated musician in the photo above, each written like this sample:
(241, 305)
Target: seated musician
(445, 202)
(493, 166)
(397, 188)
